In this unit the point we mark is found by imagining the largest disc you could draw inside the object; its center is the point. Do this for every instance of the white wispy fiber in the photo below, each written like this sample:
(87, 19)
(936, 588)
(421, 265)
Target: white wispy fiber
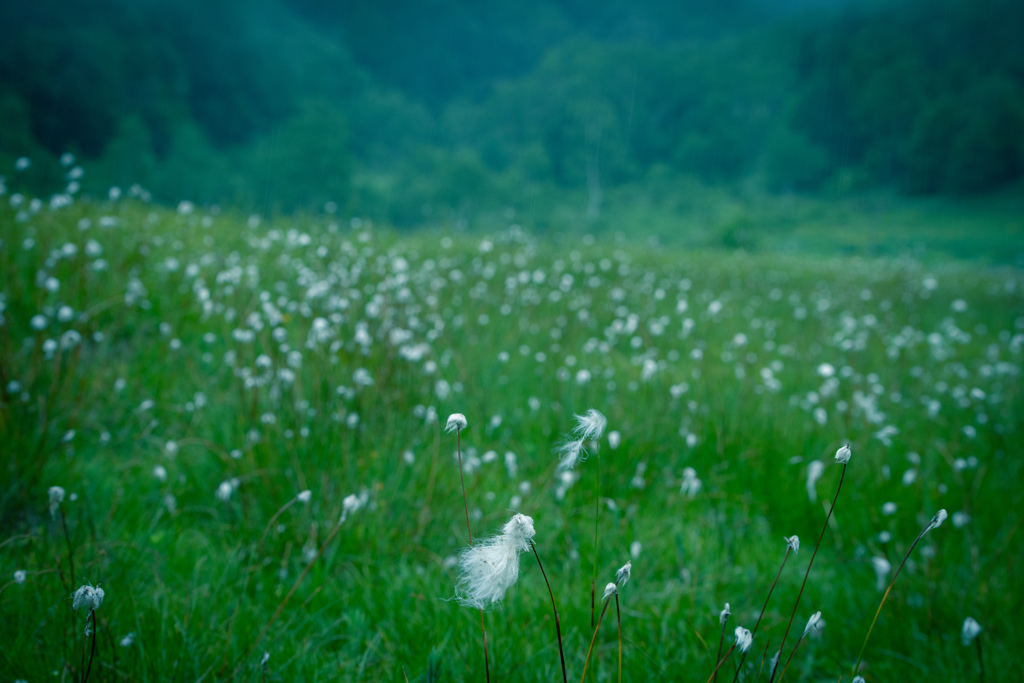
(87, 596)
(812, 624)
(774, 663)
(456, 423)
(304, 496)
(843, 454)
(970, 631)
(793, 543)
(723, 616)
(56, 494)
(589, 427)
(491, 567)
(610, 590)
(743, 639)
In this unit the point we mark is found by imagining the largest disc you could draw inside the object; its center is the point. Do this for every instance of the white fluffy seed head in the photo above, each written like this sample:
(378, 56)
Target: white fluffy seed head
(590, 425)
(456, 423)
(491, 567)
(305, 496)
(843, 454)
(87, 596)
(723, 616)
(743, 639)
(970, 631)
(793, 543)
(610, 590)
(569, 454)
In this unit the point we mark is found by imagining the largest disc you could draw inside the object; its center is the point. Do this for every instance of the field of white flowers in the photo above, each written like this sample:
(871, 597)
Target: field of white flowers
(235, 431)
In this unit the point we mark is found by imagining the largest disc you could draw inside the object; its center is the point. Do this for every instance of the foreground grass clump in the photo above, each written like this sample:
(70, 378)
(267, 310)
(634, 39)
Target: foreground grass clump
(247, 423)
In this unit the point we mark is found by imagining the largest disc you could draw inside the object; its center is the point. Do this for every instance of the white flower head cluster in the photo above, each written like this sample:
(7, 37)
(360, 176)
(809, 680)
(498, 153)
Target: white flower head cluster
(723, 616)
(87, 596)
(456, 423)
(843, 454)
(622, 576)
(491, 567)
(610, 590)
(793, 543)
(589, 427)
(744, 639)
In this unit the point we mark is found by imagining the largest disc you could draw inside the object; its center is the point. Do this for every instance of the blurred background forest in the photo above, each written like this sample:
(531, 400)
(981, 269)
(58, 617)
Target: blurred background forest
(455, 112)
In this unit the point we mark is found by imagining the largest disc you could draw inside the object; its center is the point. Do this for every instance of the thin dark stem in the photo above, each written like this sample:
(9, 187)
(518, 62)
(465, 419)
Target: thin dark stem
(597, 515)
(763, 608)
(469, 530)
(593, 640)
(791, 655)
(462, 477)
(886, 597)
(67, 538)
(618, 618)
(763, 656)
(981, 662)
(558, 625)
(92, 653)
(718, 658)
(811, 563)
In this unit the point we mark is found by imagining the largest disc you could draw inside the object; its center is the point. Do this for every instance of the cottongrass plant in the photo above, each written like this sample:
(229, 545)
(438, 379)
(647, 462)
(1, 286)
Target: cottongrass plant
(970, 632)
(456, 423)
(843, 456)
(813, 624)
(489, 568)
(792, 546)
(589, 427)
(744, 639)
(610, 590)
(935, 523)
(91, 598)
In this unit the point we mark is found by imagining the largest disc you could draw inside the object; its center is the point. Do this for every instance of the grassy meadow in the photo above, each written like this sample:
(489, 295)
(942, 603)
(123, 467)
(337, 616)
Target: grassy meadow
(184, 375)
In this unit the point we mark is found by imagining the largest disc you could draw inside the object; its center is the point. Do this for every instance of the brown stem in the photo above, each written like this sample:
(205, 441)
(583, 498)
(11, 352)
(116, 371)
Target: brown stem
(618, 618)
(721, 640)
(592, 640)
(92, 653)
(721, 661)
(791, 655)
(558, 626)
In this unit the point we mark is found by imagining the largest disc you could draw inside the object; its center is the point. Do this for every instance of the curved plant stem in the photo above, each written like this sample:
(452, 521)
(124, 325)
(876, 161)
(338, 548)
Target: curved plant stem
(618, 618)
(811, 563)
(720, 662)
(597, 514)
(913, 545)
(558, 626)
(465, 503)
(592, 640)
(92, 653)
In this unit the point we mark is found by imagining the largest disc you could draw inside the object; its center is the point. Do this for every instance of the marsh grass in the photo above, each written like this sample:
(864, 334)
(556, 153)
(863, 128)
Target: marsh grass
(179, 296)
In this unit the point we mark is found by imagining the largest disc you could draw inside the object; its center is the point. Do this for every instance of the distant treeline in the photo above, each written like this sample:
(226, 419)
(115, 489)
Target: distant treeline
(405, 110)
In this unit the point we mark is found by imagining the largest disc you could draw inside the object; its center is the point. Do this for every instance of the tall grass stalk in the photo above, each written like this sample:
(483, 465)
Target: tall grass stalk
(935, 521)
(92, 653)
(618, 619)
(811, 564)
(760, 616)
(558, 625)
(593, 640)
(597, 514)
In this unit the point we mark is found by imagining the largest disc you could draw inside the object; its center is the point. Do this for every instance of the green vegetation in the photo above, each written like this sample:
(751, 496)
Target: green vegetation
(434, 114)
(184, 375)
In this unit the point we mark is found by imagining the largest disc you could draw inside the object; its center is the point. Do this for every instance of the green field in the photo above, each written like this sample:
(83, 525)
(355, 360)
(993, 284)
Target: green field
(185, 375)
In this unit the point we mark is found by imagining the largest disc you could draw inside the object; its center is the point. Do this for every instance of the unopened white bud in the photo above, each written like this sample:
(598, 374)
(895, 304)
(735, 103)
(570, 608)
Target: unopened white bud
(625, 571)
(723, 616)
(937, 521)
(793, 543)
